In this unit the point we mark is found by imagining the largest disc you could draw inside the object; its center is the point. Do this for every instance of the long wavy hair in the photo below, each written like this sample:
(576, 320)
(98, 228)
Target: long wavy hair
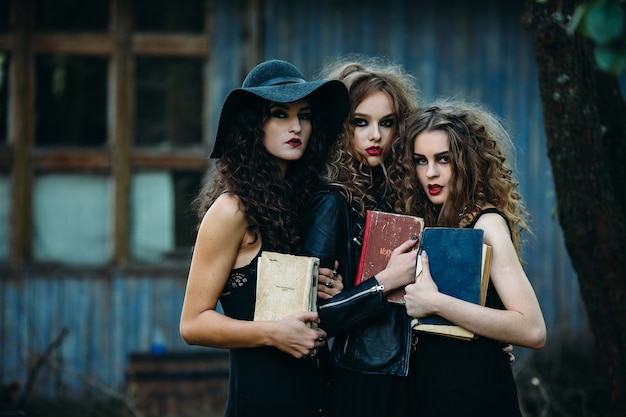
(273, 202)
(363, 186)
(482, 157)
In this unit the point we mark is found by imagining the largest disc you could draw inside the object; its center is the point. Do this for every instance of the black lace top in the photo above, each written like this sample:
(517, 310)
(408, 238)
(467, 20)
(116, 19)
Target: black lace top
(465, 378)
(265, 381)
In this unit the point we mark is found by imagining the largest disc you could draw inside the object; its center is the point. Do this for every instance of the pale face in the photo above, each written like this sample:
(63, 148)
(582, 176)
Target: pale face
(287, 132)
(374, 122)
(432, 163)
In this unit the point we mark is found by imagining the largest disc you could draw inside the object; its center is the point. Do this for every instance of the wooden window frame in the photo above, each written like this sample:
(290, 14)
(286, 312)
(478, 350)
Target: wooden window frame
(121, 45)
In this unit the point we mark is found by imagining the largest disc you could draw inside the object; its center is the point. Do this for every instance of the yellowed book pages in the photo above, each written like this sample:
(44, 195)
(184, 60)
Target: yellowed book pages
(286, 284)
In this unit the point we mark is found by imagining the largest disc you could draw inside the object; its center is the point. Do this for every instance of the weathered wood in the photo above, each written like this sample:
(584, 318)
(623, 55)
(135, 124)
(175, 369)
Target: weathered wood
(170, 45)
(21, 132)
(6, 42)
(169, 160)
(178, 383)
(73, 43)
(72, 160)
(122, 99)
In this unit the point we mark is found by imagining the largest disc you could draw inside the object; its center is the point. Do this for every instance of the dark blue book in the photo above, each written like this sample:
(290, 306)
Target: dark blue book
(460, 265)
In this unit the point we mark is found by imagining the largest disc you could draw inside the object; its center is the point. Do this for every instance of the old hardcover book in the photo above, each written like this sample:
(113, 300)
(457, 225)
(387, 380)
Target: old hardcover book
(460, 264)
(286, 284)
(383, 232)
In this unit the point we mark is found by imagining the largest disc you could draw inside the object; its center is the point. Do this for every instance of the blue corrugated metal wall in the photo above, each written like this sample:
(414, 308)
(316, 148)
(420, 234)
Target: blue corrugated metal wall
(472, 49)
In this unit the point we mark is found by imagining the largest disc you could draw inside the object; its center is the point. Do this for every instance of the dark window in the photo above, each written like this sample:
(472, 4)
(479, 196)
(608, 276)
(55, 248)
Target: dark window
(186, 188)
(169, 101)
(4, 15)
(71, 101)
(169, 16)
(72, 15)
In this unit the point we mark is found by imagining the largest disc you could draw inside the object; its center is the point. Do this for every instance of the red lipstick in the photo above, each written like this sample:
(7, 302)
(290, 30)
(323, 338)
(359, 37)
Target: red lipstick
(295, 142)
(434, 189)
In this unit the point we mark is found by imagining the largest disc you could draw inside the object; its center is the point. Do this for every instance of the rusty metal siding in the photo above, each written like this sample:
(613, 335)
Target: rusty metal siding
(106, 317)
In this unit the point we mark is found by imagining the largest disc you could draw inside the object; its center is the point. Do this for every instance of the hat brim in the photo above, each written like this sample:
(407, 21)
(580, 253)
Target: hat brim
(331, 95)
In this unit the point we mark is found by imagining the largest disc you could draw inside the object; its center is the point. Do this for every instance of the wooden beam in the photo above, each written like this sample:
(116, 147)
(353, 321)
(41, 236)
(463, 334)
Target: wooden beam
(6, 42)
(6, 159)
(171, 45)
(73, 43)
(122, 114)
(170, 161)
(21, 132)
(72, 160)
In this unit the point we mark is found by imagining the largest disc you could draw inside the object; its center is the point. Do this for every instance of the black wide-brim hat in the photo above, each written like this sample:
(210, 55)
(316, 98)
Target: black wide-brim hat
(282, 82)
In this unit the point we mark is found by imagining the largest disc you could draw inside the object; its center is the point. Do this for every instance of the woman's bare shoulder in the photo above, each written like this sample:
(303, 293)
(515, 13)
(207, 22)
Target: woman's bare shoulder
(227, 210)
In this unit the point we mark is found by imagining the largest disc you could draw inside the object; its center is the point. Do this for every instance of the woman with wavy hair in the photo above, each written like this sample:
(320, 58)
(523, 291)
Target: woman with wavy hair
(466, 180)
(272, 141)
(371, 349)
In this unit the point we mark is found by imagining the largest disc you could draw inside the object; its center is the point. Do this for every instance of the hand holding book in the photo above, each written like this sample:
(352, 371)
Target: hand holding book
(457, 265)
(421, 293)
(382, 234)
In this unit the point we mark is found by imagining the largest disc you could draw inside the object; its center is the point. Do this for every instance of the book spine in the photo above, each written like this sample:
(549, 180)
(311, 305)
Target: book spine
(366, 233)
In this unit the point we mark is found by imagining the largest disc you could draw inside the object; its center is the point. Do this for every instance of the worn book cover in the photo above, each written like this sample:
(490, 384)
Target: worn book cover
(382, 233)
(460, 264)
(286, 284)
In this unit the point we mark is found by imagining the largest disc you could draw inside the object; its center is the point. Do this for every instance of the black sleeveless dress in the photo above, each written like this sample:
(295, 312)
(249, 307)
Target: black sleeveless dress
(266, 381)
(455, 377)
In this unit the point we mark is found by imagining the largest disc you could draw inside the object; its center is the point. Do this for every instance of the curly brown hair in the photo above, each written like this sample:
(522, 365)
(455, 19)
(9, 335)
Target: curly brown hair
(273, 202)
(481, 172)
(357, 181)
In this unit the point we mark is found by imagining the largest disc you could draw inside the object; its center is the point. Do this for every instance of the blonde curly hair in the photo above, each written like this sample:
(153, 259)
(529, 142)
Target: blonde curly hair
(364, 76)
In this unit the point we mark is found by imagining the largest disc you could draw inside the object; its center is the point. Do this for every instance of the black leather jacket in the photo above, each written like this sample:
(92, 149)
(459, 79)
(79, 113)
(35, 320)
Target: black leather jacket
(371, 335)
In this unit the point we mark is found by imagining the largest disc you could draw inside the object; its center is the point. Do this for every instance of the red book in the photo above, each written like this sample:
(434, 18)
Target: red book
(382, 233)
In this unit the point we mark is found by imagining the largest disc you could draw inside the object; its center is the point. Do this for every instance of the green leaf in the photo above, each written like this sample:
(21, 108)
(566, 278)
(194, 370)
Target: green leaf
(604, 21)
(577, 19)
(610, 59)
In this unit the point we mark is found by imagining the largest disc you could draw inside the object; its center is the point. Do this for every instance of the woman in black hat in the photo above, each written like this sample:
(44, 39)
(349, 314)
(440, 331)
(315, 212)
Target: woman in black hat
(271, 143)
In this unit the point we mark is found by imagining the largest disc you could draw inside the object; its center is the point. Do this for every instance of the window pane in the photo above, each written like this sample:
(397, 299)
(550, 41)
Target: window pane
(169, 101)
(186, 185)
(72, 15)
(71, 100)
(162, 222)
(4, 15)
(4, 218)
(169, 16)
(152, 215)
(72, 219)
(4, 94)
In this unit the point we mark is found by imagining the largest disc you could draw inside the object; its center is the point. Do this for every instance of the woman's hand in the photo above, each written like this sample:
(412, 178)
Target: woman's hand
(330, 283)
(507, 350)
(419, 296)
(400, 269)
(293, 335)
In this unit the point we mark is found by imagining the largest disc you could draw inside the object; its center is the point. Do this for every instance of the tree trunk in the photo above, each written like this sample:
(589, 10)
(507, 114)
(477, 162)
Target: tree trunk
(585, 122)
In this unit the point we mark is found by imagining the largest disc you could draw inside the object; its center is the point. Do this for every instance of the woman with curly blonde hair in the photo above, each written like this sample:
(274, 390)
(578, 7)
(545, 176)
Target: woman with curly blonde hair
(371, 180)
(466, 180)
(366, 170)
